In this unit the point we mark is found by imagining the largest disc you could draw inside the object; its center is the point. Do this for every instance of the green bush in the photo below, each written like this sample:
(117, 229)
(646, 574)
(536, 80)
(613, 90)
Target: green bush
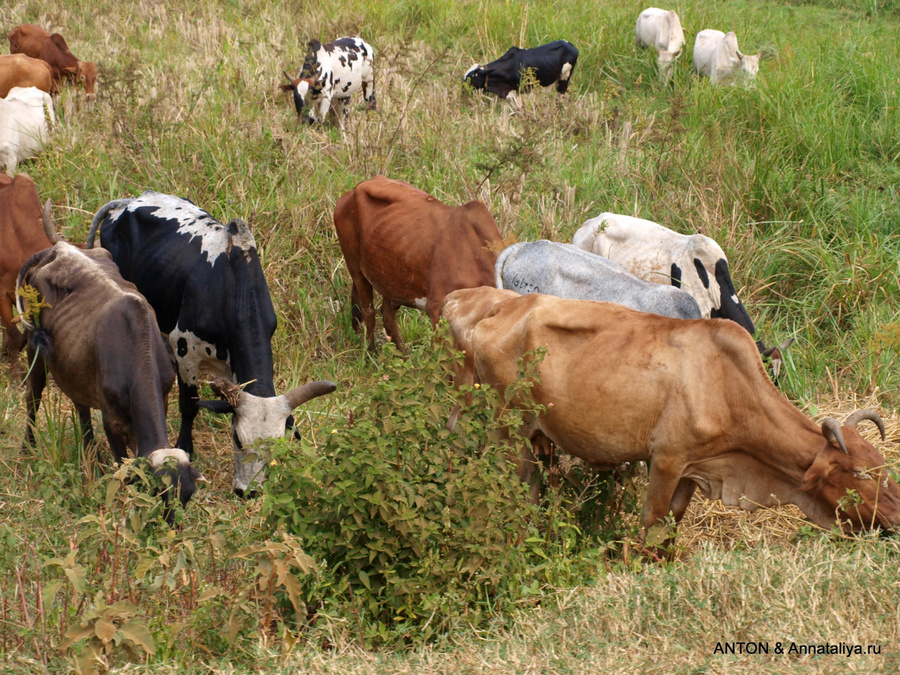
(415, 527)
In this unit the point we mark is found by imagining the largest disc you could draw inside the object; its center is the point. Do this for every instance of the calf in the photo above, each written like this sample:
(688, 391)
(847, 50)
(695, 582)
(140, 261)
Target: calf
(549, 64)
(716, 56)
(206, 284)
(37, 43)
(26, 119)
(97, 336)
(566, 271)
(330, 74)
(689, 397)
(20, 237)
(411, 248)
(18, 70)
(661, 30)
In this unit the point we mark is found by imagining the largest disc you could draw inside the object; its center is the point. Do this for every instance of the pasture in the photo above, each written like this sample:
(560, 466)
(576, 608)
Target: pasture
(797, 177)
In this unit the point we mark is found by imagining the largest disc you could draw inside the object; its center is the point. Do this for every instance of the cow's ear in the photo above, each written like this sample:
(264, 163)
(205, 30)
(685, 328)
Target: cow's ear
(221, 407)
(818, 471)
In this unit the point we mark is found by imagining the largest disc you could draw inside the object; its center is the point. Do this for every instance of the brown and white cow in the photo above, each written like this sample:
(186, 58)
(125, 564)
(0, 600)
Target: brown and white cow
(21, 236)
(37, 43)
(411, 248)
(98, 338)
(689, 397)
(18, 70)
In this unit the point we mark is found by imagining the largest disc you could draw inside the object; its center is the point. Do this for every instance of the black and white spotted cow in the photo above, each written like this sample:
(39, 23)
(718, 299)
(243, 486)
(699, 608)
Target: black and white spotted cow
(206, 285)
(330, 74)
(549, 64)
(694, 262)
(563, 270)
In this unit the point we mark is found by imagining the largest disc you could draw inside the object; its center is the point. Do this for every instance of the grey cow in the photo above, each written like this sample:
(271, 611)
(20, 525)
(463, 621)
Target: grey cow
(566, 271)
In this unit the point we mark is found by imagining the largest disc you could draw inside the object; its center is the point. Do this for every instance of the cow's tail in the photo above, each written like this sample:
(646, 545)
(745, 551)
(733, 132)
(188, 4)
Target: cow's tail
(101, 214)
(498, 266)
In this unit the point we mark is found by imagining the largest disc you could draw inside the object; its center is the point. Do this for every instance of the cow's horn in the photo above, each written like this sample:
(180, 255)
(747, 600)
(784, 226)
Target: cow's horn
(49, 225)
(228, 390)
(866, 414)
(289, 78)
(831, 429)
(300, 395)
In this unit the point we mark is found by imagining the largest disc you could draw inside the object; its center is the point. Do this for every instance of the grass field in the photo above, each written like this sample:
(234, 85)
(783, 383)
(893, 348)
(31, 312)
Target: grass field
(798, 178)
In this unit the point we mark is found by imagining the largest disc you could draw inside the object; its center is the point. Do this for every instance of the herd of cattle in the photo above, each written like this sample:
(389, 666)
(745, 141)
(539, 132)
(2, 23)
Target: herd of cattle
(650, 355)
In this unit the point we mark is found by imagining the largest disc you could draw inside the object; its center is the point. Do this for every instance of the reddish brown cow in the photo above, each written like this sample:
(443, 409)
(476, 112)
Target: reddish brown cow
(18, 70)
(34, 41)
(690, 397)
(411, 248)
(21, 235)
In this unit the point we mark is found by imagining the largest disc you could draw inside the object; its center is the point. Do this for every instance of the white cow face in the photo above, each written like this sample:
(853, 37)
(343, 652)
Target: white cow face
(256, 420)
(749, 66)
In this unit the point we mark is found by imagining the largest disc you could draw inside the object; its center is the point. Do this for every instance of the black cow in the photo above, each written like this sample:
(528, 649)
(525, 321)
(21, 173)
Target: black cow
(549, 64)
(211, 299)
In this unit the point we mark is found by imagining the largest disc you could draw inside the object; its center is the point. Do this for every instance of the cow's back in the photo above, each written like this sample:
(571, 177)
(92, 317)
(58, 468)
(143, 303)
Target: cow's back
(19, 70)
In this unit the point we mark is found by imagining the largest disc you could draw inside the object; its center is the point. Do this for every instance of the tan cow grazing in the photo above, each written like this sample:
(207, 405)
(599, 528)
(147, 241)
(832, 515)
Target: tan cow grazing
(18, 70)
(21, 235)
(411, 248)
(98, 338)
(692, 398)
(37, 43)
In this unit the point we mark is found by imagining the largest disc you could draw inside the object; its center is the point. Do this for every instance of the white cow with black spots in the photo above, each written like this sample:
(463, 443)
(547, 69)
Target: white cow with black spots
(330, 74)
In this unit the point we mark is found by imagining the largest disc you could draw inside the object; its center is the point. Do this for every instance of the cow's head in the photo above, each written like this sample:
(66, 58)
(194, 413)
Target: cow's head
(848, 462)
(476, 76)
(748, 66)
(183, 477)
(300, 86)
(87, 75)
(257, 418)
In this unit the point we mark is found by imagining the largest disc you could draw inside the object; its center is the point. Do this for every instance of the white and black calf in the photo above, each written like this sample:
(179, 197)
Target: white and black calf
(205, 281)
(550, 64)
(331, 74)
(693, 262)
(98, 338)
(566, 271)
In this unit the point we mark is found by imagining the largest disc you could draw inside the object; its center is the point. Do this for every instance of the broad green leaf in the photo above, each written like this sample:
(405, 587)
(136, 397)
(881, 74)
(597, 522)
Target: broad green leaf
(139, 635)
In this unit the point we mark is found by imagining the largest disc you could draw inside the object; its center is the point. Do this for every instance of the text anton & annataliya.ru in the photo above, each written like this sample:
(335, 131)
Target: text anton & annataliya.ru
(794, 649)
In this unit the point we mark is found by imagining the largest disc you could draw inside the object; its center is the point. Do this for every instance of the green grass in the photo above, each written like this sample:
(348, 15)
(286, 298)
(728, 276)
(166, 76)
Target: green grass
(797, 178)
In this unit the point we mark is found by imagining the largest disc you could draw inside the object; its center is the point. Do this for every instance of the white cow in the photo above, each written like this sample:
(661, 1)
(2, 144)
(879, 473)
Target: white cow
(716, 56)
(332, 72)
(661, 30)
(26, 118)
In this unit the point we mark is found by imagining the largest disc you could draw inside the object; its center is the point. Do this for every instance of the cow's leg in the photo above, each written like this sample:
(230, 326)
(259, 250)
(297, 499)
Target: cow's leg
(389, 314)
(366, 301)
(34, 387)
(665, 488)
(356, 313)
(528, 473)
(562, 86)
(682, 498)
(116, 442)
(368, 91)
(189, 407)
(324, 105)
(87, 429)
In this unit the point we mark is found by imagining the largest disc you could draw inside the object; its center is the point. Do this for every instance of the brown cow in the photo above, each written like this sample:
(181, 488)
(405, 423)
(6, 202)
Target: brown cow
(21, 235)
(99, 339)
(411, 248)
(18, 70)
(692, 398)
(34, 41)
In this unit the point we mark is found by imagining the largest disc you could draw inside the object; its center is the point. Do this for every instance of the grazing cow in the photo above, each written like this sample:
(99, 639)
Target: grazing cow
(37, 43)
(411, 248)
(689, 397)
(330, 74)
(716, 56)
(26, 119)
(694, 262)
(549, 64)
(98, 338)
(20, 237)
(18, 70)
(661, 30)
(566, 271)
(211, 299)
